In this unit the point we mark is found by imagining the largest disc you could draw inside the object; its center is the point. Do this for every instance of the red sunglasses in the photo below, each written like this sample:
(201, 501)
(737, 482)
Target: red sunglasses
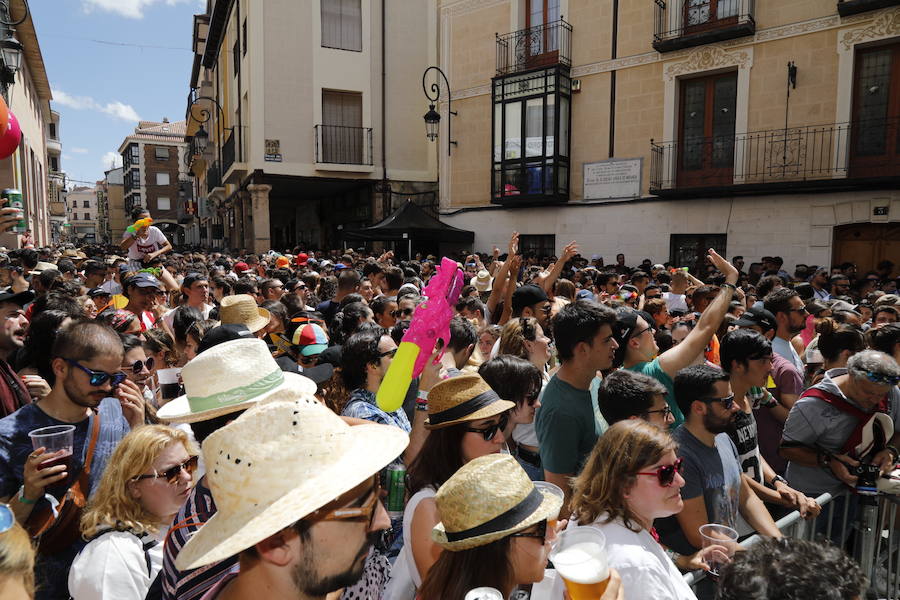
(666, 473)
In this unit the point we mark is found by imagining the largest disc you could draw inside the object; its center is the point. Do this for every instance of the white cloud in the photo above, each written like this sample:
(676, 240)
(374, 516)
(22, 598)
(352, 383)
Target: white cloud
(66, 156)
(116, 109)
(131, 9)
(111, 160)
(79, 150)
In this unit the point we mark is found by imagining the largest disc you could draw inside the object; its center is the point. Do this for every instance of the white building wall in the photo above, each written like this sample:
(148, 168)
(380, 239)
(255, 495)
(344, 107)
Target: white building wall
(795, 227)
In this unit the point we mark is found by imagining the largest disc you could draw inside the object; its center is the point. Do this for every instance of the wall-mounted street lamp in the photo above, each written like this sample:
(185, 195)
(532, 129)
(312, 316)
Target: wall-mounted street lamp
(202, 116)
(11, 49)
(432, 117)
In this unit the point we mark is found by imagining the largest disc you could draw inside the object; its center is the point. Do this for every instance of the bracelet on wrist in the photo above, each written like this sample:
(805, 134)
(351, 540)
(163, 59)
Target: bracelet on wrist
(25, 500)
(729, 285)
(779, 479)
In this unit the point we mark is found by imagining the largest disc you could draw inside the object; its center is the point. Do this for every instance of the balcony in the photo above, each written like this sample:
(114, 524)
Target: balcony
(228, 153)
(821, 157)
(53, 145)
(340, 145)
(544, 45)
(852, 7)
(685, 23)
(213, 178)
(57, 209)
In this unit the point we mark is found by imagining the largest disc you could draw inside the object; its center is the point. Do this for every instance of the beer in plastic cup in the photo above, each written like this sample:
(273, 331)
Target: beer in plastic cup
(169, 384)
(714, 534)
(553, 489)
(579, 557)
(54, 439)
(484, 593)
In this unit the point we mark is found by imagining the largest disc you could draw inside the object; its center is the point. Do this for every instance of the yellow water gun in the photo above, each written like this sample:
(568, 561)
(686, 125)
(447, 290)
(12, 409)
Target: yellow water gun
(139, 224)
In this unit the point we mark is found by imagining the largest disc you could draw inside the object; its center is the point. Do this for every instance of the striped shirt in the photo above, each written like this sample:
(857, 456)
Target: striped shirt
(192, 585)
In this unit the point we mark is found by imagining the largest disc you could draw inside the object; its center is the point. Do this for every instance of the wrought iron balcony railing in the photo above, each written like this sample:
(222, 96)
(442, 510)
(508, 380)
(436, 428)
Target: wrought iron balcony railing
(338, 144)
(851, 7)
(213, 177)
(228, 153)
(841, 153)
(685, 23)
(539, 46)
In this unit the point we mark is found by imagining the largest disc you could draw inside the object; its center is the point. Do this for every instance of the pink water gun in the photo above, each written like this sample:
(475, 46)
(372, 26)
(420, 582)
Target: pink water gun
(430, 322)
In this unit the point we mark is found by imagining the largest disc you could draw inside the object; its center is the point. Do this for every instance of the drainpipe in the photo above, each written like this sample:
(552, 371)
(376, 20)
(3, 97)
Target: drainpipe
(385, 185)
(614, 42)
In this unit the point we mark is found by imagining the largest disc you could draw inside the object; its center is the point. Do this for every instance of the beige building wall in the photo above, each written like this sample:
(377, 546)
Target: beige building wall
(808, 32)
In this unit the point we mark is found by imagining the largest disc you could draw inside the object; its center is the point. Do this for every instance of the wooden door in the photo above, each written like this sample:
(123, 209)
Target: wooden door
(702, 15)
(706, 131)
(874, 131)
(541, 42)
(866, 244)
(342, 132)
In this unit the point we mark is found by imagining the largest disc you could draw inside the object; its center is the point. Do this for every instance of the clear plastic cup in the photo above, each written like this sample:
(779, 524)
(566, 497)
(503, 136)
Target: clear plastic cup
(56, 439)
(579, 556)
(556, 491)
(714, 534)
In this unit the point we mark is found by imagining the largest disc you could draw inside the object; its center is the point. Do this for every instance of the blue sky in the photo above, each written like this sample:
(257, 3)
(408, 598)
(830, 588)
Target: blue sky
(101, 86)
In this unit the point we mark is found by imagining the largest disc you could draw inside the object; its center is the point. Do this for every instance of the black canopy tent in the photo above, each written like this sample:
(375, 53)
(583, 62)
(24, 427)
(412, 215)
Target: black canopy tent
(410, 224)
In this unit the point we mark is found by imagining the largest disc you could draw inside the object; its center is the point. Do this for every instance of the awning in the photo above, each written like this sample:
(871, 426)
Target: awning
(410, 222)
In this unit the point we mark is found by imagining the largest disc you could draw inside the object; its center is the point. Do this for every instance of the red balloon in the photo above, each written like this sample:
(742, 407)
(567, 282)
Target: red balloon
(4, 116)
(9, 141)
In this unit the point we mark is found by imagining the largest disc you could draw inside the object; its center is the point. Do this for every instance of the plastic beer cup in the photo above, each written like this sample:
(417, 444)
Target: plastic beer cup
(554, 489)
(54, 439)
(579, 557)
(714, 534)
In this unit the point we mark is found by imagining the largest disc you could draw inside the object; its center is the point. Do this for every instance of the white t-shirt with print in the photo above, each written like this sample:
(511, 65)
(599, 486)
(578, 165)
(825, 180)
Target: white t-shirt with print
(153, 240)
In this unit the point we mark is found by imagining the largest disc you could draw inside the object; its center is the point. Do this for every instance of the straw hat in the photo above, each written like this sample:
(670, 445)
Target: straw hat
(230, 377)
(462, 399)
(242, 310)
(488, 499)
(482, 281)
(275, 465)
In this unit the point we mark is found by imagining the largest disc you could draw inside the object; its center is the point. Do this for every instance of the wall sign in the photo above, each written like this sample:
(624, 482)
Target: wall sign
(616, 178)
(273, 151)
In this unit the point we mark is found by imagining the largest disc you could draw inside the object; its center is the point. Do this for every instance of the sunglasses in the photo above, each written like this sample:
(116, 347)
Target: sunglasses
(665, 473)
(727, 401)
(491, 430)
(881, 378)
(365, 512)
(98, 378)
(172, 473)
(540, 532)
(139, 365)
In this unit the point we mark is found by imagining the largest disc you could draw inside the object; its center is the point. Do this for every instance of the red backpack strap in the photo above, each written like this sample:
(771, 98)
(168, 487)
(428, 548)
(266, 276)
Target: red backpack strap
(845, 407)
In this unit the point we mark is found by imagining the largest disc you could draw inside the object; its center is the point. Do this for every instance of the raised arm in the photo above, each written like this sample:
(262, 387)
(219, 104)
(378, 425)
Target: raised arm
(548, 280)
(683, 354)
(500, 276)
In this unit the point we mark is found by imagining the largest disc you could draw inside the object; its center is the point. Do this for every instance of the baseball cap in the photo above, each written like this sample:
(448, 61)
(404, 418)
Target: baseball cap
(144, 280)
(311, 339)
(190, 278)
(21, 298)
(282, 262)
(223, 333)
(527, 295)
(97, 291)
(757, 316)
(240, 267)
(585, 295)
(301, 259)
(340, 267)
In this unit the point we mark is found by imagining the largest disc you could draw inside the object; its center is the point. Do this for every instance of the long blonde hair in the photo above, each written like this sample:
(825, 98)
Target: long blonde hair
(17, 557)
(113, 505)
(512, 337)
(626, 448)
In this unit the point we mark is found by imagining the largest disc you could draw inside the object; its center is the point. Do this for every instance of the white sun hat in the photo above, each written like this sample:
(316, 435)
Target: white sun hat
(276, 464)
(229, 377)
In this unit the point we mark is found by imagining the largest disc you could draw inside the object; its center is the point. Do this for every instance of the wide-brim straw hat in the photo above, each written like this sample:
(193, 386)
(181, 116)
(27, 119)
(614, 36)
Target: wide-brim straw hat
(276, 464)
(241, 309)
(229, 377)
(488, 499)
(462, 399)
(483, 281)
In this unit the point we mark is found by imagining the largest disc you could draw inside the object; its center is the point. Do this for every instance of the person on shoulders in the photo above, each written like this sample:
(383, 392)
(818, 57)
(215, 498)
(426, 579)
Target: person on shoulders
(146, 244)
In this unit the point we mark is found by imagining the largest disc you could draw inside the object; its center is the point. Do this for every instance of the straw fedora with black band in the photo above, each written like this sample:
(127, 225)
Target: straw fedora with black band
(230, 377)
(463, 399)
(489, 498)
(278, 463)
(241, 309)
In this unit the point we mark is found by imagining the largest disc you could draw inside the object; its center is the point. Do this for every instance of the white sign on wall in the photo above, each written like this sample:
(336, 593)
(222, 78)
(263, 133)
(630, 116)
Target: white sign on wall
(616, 178)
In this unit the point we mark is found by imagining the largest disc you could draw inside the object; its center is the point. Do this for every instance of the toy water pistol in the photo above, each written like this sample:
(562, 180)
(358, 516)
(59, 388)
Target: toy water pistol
(430, 322)
(140, 223)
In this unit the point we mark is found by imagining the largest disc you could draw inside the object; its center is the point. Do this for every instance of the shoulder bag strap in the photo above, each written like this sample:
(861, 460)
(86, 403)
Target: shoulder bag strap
(95, 433)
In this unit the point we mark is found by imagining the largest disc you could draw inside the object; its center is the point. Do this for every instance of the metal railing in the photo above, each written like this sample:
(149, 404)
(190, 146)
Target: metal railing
(684, 23)
(213, 177)
(813, 153)
(228, 153)
(539, 46)
(852, 7)
(338, 144)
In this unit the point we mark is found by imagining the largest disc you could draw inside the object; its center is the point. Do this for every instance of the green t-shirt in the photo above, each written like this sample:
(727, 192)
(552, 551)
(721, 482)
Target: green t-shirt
(565, 427)
(654, 370)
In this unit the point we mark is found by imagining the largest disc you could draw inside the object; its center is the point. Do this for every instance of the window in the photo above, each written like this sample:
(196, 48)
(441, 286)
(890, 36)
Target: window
(531, 137)
(341, 134)
(86, 217)
(706, 130)
(163, 203)
(244, 31)
(342, 24)
(689, 250)
(703, 14)
(53, 130)
(875, 129)
(542, 42)
(236, 54)
(162, 179)
(135, 154)
(161, 153)
(538, 245)
(54, 163)
(86, 204)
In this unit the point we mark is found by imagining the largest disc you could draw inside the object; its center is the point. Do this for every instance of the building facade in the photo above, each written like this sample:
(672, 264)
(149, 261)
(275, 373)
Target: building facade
(660, 129)
(114, 191)
(155, 174)
(305, 118)
(29, 99)
(82, 207)
(56, 182)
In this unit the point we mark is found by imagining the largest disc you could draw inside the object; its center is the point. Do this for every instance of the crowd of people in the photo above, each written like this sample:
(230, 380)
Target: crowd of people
(226, 441)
